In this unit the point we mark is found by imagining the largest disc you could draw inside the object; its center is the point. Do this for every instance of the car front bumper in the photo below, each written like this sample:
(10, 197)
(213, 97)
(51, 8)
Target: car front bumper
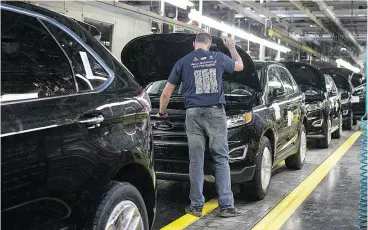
(315, 123)
(346, 111)
(172, 157)
(359, 108)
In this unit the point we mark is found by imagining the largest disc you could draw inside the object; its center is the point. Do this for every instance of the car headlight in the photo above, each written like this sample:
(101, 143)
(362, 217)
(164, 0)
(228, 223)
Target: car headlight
(237, 120)
(315, 106)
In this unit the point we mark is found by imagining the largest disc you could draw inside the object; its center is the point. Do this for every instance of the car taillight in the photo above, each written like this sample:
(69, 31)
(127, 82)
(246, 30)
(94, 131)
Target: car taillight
(144, 100)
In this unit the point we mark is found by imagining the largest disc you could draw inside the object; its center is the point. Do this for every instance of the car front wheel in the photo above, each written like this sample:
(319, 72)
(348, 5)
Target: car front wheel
(355, 122)
(121, 207)
(338, 133)
(262, 175)
(325, 142)
(349, 122)
(297, 160)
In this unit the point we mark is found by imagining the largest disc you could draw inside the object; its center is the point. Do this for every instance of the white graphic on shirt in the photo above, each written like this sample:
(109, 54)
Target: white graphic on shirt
(205, 75)
(213, 80)
(195, 59)
(198, 81)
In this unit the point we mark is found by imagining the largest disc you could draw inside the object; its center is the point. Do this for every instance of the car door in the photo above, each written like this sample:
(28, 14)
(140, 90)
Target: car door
(278, 105)
(294, 102)
(61, 137)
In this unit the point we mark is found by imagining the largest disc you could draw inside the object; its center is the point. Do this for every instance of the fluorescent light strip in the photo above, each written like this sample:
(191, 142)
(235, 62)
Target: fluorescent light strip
(196, 16)
(347, 65)
(180, 3)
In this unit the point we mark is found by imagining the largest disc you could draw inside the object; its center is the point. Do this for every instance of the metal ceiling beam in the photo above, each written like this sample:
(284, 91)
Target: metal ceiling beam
(261, 10)
(330, 3)
(238, 8)
(117, 7)
(247, 13)
(293, 41)
(338, 13)
(329, 13)
(311, 15)
(328, 36)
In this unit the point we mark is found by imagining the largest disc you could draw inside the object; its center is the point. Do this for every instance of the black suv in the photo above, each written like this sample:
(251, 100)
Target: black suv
(356, 79)
(265, 113)
(76, 147)
(345, 88)
(322, 100)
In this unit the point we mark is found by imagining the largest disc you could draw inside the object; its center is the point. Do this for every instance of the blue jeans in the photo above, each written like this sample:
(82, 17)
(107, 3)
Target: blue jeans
(201, 122)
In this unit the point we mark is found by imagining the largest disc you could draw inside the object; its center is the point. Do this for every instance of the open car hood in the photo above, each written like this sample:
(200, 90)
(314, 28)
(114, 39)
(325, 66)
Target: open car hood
(151, 58)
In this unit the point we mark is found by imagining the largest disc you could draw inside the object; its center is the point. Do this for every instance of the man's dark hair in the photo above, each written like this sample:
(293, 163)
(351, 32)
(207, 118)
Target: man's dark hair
(204, 38)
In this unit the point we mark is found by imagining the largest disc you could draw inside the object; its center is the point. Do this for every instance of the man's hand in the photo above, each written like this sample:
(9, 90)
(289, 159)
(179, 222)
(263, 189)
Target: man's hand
(165, 97)
(229, 42)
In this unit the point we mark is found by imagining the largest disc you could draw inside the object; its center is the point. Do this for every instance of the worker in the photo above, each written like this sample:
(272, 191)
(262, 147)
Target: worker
(201, 72)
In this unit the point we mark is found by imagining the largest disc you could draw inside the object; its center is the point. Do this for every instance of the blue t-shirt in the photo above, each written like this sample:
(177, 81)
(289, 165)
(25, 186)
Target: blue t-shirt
(201, 72)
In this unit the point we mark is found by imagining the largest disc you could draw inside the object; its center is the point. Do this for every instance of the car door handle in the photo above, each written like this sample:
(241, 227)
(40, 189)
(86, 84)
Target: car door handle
(93, 122)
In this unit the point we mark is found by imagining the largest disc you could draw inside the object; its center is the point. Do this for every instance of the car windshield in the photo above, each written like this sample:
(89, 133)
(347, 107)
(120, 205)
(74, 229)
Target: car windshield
(306, 76)
(310, 90)
(341, 82)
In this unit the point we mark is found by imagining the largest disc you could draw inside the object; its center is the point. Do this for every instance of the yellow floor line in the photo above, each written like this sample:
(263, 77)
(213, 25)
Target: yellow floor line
(188, 219)
(281, 213)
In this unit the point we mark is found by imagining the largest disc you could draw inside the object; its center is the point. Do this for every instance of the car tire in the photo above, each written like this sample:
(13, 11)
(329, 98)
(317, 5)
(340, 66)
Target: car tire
(262, 175)
(325, 142)
(355, 121)
(297, 160)
(338, 133)
(117, 200)
(349, 122)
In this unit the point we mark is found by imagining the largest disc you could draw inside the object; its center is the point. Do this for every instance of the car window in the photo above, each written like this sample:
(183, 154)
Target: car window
(328, 82)
(32, 64)
(305, 75)
(273, 80)
(89, 73)
(285, 79)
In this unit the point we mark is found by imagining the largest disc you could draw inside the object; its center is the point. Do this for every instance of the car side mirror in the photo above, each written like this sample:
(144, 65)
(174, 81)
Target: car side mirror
(275, 93)
(333, 93)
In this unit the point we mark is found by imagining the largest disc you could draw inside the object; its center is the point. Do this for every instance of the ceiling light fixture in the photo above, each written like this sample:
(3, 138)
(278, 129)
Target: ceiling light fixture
(262, 16)
(196, 16)
(347, 65)
(183, 4)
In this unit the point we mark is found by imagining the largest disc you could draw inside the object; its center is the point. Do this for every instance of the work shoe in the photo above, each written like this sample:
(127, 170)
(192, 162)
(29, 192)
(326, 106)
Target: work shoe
(194, 211)
(229, 212)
